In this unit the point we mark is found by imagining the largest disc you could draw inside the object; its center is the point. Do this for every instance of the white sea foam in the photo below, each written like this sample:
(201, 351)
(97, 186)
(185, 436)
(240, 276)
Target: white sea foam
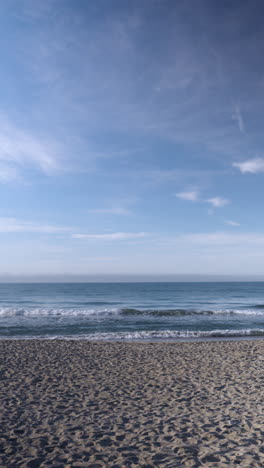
(46, 312)
(242, 311)
(166, 334)
(150, 335)
(72, 312)
(76, 312)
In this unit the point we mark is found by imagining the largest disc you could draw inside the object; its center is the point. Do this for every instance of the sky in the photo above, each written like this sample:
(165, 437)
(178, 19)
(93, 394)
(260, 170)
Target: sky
(131, 137)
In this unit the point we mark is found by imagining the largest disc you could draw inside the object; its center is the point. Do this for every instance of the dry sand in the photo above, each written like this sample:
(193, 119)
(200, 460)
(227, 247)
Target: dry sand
(77, 403)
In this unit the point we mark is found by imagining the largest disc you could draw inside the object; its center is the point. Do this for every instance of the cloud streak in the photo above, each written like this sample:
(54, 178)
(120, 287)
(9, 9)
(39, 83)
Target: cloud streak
(9, 225)
(19, 148)
(222, 238)
(237, 116)
(232, 223)
(114, 236)
(118, 210)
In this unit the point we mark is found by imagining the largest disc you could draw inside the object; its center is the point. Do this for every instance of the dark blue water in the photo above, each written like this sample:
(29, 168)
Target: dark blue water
(131, 310)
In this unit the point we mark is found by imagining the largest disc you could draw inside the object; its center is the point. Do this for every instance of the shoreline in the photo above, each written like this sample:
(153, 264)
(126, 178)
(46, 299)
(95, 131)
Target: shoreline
(82, 403)
(139, 340)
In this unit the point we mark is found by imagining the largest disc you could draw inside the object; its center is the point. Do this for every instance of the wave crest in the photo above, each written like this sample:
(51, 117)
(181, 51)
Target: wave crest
(53, 312)
(81, 312)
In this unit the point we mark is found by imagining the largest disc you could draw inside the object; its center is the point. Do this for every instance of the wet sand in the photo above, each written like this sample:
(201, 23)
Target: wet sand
(77, 404)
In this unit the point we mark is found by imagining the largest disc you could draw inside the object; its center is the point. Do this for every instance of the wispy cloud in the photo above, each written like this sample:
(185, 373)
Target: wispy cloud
(118, 210)
(120, 206)
(232, 223)
(217, 202)
(252, 166)
(8, 173)
(192, 195)
(112, 82)
(108, 79)
(8, 225)
(222, 238)
(237, 116)
(19, 148)
(113, 236)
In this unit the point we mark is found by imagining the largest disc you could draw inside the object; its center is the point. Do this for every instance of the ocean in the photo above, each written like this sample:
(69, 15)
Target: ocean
(132, 311)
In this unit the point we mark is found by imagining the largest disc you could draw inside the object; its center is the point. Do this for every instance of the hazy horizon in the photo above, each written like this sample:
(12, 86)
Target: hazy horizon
(126, 278)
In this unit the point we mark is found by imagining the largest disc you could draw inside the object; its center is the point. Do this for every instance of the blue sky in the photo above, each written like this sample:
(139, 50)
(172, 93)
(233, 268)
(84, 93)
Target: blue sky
(131, 137)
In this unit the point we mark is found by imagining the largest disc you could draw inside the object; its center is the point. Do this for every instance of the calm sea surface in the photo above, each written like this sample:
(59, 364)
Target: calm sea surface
(127, 311)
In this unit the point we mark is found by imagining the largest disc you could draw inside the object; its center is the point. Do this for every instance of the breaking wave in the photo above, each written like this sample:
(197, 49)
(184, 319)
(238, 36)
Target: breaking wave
(75, 312)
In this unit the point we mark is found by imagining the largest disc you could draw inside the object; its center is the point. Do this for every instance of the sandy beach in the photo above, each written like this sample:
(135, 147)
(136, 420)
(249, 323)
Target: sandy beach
(77, 403)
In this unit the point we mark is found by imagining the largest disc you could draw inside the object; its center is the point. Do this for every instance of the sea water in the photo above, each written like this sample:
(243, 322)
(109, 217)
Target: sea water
(129, 311)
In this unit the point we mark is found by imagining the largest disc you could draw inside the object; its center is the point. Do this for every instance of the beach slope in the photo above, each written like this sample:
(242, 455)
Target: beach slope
(97, 404)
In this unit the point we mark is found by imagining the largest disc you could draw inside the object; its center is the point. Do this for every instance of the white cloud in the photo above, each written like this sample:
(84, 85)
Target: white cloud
(232, 223)
(193, 195)
(14, 225)
(188, 195)
(252, 166)
(217, 202)
(112, 236)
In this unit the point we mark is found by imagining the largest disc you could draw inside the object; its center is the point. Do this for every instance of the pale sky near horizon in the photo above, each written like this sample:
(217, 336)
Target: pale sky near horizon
(131, 137)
